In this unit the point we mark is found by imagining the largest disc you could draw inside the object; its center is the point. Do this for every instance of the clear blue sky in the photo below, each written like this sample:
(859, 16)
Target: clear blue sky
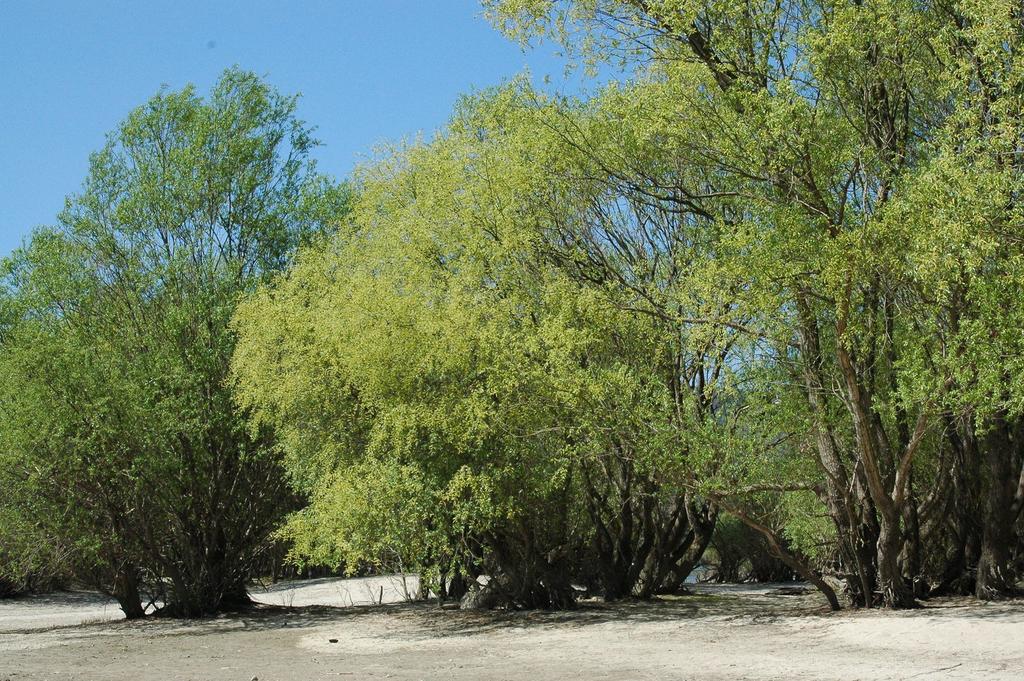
(368, 71)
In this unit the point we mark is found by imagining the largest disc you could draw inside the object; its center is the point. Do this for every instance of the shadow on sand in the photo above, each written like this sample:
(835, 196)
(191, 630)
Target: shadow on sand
(736, 605)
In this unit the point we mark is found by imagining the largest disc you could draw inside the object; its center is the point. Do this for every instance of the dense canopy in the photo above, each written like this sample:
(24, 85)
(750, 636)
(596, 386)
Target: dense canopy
(759, 303)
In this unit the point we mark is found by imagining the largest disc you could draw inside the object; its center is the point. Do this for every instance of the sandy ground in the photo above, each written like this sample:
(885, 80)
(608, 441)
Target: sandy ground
(720, 632)
(340, 592)
(83, 607)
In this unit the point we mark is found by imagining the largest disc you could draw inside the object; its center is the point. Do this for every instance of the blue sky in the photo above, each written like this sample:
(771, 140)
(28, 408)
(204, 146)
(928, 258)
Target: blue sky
(368, 71)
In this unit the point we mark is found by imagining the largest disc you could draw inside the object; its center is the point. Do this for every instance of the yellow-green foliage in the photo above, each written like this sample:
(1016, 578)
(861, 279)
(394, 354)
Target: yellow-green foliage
(552, 280)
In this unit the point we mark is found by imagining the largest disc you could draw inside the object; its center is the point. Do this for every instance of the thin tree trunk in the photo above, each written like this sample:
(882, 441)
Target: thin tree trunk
(799, 565)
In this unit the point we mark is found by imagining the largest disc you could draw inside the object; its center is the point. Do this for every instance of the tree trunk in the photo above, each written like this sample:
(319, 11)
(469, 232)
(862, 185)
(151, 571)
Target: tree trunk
(995, 578)
(895, 591)
(850, 506)
(911, 555)
(703, 530)
(126, 591)
(799, 565)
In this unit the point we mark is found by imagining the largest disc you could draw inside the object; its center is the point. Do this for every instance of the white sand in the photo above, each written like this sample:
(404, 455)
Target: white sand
(719, 633)
(340, 592)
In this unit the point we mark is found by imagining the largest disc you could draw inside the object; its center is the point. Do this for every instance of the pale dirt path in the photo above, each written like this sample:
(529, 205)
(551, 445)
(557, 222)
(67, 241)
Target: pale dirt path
(742, 634)
(56, 610)
(84, 607)
(340, 592)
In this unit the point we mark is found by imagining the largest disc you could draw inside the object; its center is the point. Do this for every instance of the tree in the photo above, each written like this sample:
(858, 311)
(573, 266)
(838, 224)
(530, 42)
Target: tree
(403, 354)
(831, 119)
(119, 426)
(433, 338)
